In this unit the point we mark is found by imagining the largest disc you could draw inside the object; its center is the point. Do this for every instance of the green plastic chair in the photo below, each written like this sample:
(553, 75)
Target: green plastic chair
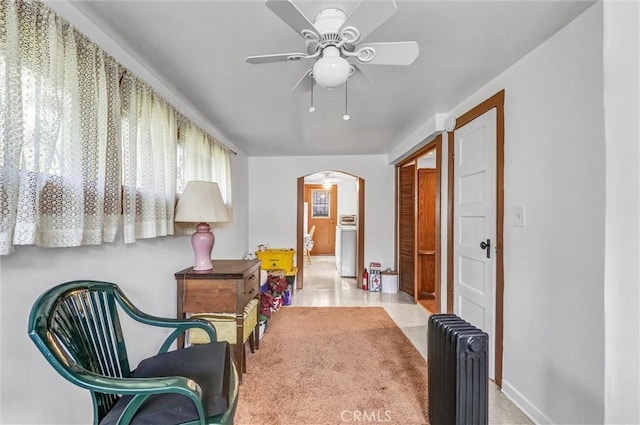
(76, 327)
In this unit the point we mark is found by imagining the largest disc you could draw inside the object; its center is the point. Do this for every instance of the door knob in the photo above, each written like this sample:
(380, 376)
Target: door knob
(486, 245)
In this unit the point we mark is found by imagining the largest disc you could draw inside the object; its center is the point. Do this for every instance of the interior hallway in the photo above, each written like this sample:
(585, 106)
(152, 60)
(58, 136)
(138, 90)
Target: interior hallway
(324, 288)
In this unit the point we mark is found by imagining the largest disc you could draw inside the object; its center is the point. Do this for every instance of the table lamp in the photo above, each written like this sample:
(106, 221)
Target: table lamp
(201, 202)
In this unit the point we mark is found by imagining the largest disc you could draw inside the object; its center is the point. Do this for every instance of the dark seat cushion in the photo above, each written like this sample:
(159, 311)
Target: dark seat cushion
(206, 364)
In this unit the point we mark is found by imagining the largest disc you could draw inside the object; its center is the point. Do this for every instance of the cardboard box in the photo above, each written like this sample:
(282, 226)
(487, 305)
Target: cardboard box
(375, 277)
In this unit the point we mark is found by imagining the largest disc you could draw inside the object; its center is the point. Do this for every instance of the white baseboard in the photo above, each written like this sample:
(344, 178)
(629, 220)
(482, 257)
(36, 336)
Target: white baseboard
(525, 405)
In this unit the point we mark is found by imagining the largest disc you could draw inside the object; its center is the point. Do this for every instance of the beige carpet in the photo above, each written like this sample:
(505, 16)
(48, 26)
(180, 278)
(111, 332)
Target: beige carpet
(333, 365)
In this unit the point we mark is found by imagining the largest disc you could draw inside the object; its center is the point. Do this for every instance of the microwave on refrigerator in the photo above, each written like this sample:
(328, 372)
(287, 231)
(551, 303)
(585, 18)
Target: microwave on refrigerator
(347, 220)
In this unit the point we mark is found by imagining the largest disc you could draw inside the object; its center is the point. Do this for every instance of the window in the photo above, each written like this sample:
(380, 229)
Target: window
(320, 203)
(149, 137)
(201, 157)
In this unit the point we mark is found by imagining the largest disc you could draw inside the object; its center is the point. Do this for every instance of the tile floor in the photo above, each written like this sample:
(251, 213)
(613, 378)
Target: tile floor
(324, 288)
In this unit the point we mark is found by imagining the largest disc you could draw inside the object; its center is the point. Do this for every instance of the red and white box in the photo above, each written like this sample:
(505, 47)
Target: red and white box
(375, 277)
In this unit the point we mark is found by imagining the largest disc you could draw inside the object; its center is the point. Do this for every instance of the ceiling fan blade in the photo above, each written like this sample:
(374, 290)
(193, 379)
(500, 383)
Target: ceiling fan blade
(369, 15)
(304, 83)
(292, 16)
(359, 71)
(394, 53)
(279, 57)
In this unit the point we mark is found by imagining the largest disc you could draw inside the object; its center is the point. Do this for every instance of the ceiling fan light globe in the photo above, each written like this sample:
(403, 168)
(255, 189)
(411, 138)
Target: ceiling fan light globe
(331, 72)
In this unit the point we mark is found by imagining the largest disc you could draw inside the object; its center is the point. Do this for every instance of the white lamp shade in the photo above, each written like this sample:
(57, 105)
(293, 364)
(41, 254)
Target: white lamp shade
(201, 202)
(331, 70)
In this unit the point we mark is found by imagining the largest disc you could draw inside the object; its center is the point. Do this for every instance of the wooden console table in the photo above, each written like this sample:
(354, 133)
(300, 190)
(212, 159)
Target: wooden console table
(225, 289)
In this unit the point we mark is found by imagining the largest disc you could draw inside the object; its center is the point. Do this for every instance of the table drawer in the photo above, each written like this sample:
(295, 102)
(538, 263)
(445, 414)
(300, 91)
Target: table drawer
(251, 285)
(206, 296)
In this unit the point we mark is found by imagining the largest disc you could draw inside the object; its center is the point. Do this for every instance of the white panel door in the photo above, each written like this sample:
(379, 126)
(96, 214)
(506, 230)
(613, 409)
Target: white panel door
(475, 225)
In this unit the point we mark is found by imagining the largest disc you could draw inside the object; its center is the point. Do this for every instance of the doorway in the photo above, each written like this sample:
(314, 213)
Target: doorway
(321, 206)
(475, 245)
(418, 180)
(353, 205)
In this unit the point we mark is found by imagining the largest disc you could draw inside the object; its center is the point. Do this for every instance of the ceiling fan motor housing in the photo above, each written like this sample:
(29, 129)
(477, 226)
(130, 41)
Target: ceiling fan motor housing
(328, 23)
(329, 20)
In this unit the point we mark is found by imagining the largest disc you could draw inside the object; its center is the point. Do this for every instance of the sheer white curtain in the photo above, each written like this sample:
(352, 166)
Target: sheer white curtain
(201, 157)
(149, 143)
(58, 97)
(221, 159)
(10, 122)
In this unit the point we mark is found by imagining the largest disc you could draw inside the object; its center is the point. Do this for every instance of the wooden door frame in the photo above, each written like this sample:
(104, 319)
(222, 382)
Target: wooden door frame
(434, 144)
(495, 101)
(300, 228)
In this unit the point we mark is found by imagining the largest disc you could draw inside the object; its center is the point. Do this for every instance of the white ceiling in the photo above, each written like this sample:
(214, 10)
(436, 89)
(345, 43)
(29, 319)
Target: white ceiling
(198, 50)
(332, 176)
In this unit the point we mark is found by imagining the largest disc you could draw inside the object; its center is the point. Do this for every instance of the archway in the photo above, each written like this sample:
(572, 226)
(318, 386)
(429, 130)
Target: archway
(300, 230)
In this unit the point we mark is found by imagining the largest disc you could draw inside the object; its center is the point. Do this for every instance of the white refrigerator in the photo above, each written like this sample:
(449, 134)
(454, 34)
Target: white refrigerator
(346, 250)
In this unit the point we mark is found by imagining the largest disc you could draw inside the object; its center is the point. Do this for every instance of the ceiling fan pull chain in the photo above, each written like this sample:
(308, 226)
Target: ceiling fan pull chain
(312, 108)
(346, 101)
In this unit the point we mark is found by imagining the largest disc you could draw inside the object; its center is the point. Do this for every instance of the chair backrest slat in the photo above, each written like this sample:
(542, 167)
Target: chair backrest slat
(103, 346)
(106, 336)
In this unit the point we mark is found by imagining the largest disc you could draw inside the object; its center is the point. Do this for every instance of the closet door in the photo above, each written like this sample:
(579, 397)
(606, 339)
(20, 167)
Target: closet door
(426, 233)
(407, 229)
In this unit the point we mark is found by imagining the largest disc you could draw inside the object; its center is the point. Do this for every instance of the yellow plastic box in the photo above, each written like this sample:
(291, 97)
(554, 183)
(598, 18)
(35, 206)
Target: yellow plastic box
(275, 258)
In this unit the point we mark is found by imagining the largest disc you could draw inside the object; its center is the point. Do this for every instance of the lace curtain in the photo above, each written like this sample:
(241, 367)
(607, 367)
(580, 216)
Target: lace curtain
(59, 109)
(149, 133)
(200, 157)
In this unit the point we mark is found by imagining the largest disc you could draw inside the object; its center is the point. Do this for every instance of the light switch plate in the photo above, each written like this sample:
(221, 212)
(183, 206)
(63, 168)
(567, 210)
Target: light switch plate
(519, 218)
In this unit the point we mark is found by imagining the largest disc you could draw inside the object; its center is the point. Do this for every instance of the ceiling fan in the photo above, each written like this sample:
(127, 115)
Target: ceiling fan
(334, 37)
(329, 179)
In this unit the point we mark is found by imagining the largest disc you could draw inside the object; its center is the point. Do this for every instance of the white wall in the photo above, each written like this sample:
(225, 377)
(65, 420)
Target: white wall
(31, 392)
(554, 267)
(622, 277)
(419, 138)
(347, 197)
(272, 199)
(559, 175)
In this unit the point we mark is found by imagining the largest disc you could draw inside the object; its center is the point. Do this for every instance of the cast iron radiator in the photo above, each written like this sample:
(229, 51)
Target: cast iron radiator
(457, 371)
